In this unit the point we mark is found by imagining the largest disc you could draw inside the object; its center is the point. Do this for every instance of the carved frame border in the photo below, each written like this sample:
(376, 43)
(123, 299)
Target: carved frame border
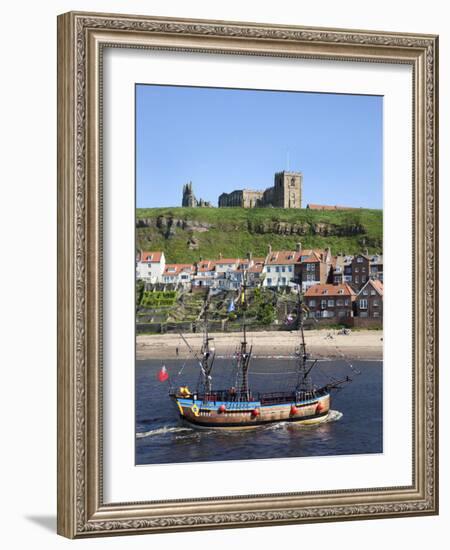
(81, 38)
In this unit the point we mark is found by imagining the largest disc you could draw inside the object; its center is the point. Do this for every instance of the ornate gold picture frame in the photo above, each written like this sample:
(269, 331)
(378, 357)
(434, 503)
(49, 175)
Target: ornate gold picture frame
(82, 38)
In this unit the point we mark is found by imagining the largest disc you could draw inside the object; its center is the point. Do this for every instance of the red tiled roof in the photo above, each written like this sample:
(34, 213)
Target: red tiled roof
(150, 257)
(312, 258)
(256, 268)
(205, 265)
(376, 284)
(330, 290)
(283, 257)
(329, 207)
(176, 269)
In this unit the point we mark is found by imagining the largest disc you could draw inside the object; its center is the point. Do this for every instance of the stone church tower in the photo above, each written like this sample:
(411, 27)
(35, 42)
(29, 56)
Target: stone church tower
(287, 190)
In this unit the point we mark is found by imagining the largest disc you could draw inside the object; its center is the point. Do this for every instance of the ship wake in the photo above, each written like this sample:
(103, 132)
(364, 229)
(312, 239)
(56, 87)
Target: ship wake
(162, 431)
(175, 429)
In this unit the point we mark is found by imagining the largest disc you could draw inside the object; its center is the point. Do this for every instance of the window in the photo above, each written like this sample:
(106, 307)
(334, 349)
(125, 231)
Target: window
(359, 259)
(283, 269)
(290, 269)
(340, 302)
(356, 279)
(310, 267)
(375, 303)
(268, 269)
(372, 292)
(277, 269)
(363, 279)
(323, 304)
(312, 303)
(365, 292)
(283, 280)
(363, 304)
(269, 281)
(347, 302)
(341, 291)
(341, 313)
(376, 313)
(356, 270)
(330, 303)
(363, 269)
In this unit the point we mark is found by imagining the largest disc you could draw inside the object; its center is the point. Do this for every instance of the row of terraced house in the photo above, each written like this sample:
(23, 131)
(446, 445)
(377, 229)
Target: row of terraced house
(337, 288)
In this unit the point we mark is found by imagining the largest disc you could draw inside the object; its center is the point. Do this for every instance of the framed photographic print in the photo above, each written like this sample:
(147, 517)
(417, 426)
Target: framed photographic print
(247, 284)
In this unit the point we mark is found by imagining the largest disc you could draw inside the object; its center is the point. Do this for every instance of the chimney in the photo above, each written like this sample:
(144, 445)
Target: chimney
(298, 247)
(270, 249)
(220, 255)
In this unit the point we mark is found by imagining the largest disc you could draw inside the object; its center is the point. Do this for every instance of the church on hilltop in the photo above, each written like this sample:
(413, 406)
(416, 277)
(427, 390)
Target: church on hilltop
(286, 192)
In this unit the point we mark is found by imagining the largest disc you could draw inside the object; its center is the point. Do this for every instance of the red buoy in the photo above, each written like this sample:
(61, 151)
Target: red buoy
(222, 408)
(294, 410)
(319, 407)
(255, 412)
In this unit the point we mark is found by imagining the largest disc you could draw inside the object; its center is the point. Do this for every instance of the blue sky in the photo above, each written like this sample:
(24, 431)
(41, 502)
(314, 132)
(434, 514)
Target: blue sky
(225, 139)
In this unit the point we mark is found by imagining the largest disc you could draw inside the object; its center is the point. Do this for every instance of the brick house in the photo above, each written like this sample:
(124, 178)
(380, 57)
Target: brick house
(376, 267)
(369, 301)
(313, 268)
(341, 269)
(360, 270)
(331, 302)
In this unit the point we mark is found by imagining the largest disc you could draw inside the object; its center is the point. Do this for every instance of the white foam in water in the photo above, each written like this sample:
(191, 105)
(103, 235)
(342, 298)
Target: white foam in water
(162, 431)
(333, 416)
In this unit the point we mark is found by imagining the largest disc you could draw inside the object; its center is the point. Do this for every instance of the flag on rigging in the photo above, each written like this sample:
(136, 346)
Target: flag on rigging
(231, 306)
(163, 375)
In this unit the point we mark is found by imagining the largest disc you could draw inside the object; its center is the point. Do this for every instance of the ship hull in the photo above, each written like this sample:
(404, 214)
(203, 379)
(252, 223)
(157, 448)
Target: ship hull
(252, 414)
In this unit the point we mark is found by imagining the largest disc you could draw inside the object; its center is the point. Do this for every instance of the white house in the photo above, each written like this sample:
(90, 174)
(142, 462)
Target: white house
(205, 275)
(178, 274)
(279, 267)
(226, 265)
(150, 266)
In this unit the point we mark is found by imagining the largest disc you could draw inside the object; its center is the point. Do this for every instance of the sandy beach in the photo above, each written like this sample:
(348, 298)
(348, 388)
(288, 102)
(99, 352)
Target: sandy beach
(323, 344)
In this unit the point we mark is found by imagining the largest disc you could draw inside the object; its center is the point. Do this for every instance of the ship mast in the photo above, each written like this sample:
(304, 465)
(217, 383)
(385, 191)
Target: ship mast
(207, 357)
(304, 382)
(244, 355)
(206, 360)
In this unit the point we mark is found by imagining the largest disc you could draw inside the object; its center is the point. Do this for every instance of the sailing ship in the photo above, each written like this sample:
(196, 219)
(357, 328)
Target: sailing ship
(238, 407)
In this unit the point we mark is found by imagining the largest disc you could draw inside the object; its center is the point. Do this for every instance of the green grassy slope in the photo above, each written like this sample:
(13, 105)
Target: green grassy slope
(185, 234)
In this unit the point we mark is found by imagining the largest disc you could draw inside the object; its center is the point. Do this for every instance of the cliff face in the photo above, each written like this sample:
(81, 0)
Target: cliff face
(186, 234)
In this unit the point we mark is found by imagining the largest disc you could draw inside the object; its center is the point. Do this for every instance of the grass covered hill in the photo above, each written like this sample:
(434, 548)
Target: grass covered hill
(186, 234)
